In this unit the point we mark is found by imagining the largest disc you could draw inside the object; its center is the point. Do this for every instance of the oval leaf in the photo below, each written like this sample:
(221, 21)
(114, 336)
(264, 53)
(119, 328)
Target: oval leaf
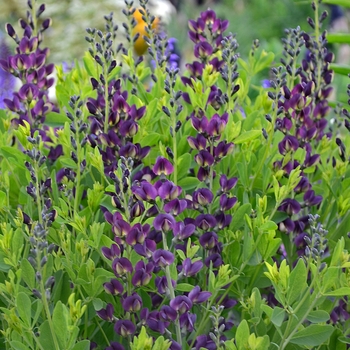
(313, 335)
(247, 136)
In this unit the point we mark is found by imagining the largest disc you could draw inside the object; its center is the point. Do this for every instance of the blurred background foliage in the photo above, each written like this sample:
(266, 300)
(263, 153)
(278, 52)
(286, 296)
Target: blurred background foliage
(264, 20)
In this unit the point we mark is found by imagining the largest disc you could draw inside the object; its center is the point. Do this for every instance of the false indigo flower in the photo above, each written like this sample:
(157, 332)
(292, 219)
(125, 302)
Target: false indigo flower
(124, 328)
(181, 304)
(107, 313)
(121, 266)
(197, 296)
(190, 269)
(132, 303)
(162, 166)
(163, 257)
(113, 287)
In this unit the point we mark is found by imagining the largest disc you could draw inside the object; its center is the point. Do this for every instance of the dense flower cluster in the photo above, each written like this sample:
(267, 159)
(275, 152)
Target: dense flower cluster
(31, 102)
(301, 118)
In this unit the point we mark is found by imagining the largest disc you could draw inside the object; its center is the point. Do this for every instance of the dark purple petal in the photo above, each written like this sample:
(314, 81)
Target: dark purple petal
(121, 266)
(190, 269)
(175, 206)
(107, 313)
(163, 257)
(197, 296)
(164, 222)
(124, 328)
(132, 303)
(162, 166)
(181, 304)
(113, 287)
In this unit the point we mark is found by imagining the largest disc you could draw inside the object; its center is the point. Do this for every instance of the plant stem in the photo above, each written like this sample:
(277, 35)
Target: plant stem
(172, 293)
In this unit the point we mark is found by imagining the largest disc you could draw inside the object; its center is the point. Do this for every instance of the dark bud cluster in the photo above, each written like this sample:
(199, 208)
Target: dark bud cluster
(31, 102)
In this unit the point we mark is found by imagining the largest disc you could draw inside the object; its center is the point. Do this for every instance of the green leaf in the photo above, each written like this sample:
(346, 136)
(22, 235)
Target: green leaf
(256, 302)
(189, 183)
(313, 335)
(82, 345)
(37, 306)
(338, 38)
(183, 165)
(45, 337)
(296, 282)
(267, 309)
(318, 316)
(24, 305)
(28, 273)
(247, 136)
(337, 252)
(345, 3)
(242, 335)
(268, 225)
(16, 345)
(17, 243)
(56, 119)
(343, 291)
(184, 287)
(264, 61)
(60, 324)
(278, 316)
(237, 220)
(342, 69)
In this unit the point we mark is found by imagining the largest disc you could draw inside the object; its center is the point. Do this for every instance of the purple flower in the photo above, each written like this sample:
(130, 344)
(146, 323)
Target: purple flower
(202, 196)
(290, 206)
(199, 142)
(208, 240)
(289, 143)
(181, 304)
(137, 234)
(163, 257)
(111, 253)
(146, 249)
(113, 287)
(167, 190)
(115, 346)
(190, 269)
(143, 274)
(310, 198)
(187, 321)
(203, 50)
(215, 259)
(162, 284)
(166, 313)
(120, 228)
(153, 322)
(132, 303)
(205, 221)
(144, 191)
(162, 166)
(121, 266)
(197, 296)
(164, 222)
(124, 328)
(175, 206)
(226, 203)
(107, 313)
(182, 231)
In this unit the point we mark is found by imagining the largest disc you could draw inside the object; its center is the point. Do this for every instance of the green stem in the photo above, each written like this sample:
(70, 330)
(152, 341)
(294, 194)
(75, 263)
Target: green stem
(106, 123)
(173, 117)
(37, 190)
(48, 315)
(172, 293)
(268, 146)
(286, 340)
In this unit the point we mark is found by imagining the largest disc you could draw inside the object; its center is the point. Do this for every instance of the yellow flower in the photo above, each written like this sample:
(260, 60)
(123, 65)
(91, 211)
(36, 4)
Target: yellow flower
(140, 45)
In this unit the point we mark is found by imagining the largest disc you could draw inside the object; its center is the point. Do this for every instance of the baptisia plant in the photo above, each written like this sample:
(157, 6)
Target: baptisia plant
(162, 208)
